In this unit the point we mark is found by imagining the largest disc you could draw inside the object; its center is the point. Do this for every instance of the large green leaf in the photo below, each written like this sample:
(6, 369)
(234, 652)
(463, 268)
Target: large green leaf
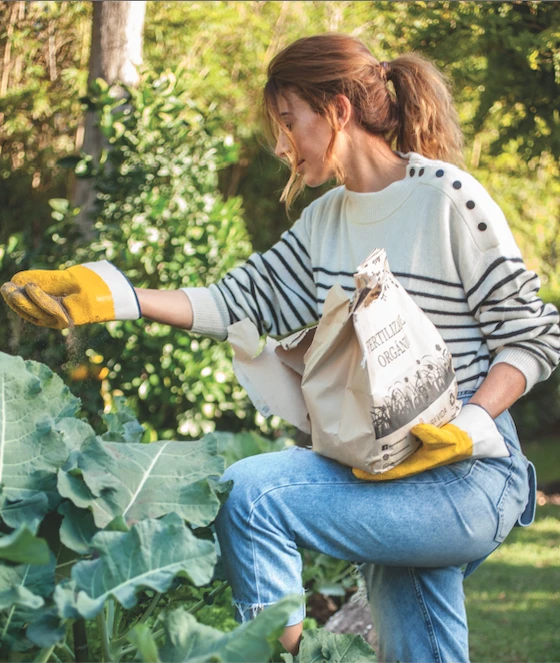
(14, 592)
(122, 425)
(71, 485)
(322, 646)
(46, 629)
(57, 399)
(75, 432)
(29, 511)
(33, 627)
(139, 481)
(151, 554)
(33, 400)
(65, 596)
(77, 528)
(235, 446)
(26, 585)
(187, 640)
(37, 578)
(23, 547)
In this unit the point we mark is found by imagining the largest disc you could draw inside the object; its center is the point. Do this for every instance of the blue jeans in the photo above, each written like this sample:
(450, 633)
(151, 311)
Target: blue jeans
(413, 536)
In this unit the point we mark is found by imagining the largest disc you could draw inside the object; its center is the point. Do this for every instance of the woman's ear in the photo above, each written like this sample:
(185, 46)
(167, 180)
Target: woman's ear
(343, 110)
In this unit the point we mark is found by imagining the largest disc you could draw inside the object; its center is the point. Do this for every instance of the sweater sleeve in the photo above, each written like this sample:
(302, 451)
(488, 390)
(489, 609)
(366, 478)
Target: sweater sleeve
(275, 290)
(520, 329)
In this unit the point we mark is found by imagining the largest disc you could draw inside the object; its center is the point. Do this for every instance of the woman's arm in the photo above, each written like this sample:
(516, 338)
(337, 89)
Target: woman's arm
(171, 307)
(503, 385)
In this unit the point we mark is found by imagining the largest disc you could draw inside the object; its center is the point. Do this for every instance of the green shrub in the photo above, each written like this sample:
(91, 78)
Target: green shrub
(116, 535)
(160, 219)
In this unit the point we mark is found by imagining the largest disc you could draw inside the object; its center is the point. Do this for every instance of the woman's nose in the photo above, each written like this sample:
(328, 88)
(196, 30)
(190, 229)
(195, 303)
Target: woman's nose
(281, 145)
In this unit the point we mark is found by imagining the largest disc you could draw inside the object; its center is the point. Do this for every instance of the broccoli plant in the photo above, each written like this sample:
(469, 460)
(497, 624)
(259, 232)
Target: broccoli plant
(110, 533)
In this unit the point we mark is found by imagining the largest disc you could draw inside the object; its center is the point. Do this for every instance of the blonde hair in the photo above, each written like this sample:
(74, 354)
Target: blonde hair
(416, 115)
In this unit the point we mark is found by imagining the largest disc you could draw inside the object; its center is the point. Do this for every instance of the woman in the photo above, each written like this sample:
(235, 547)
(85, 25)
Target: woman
(335, 111)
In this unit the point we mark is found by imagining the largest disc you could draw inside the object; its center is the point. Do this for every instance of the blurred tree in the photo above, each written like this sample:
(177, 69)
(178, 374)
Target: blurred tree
(224, 48)
(116, 54)
(45, 48)
(505, 60)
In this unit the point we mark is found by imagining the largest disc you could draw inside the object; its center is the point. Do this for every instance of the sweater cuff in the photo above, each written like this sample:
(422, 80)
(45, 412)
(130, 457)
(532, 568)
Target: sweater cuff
(209, 314)
(525, 362)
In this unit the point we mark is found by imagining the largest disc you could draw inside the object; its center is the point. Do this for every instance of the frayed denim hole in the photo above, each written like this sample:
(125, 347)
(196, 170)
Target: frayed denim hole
(247, 611)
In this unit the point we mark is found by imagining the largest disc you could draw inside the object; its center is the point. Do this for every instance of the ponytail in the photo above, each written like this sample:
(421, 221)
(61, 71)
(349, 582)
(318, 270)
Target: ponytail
(428, 120)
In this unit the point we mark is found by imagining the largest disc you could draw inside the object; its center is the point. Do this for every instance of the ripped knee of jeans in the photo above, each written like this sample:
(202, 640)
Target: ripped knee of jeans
(244, 612)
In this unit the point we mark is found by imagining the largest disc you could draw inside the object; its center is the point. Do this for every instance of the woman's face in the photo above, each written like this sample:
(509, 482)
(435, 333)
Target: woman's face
(311, 133)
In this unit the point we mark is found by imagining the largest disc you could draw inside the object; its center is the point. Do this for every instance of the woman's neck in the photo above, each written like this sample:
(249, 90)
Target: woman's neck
(369, 163)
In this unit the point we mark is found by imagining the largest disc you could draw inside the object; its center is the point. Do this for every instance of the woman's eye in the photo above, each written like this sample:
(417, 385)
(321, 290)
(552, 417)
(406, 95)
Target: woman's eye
(289, 126)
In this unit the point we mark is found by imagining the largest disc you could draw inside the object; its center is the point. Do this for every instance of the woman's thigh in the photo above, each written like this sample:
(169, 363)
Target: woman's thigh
(447, 516)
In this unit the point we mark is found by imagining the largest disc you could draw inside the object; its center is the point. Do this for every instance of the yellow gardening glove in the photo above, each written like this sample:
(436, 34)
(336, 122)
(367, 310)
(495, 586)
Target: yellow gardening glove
(473, 434)
(92, 292)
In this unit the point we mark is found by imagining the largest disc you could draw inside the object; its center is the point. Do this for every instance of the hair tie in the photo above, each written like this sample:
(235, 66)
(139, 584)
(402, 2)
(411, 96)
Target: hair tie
(387, 69)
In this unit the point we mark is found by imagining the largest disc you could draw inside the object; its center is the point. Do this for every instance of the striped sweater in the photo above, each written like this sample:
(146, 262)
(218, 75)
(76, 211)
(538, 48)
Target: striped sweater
(448, 244)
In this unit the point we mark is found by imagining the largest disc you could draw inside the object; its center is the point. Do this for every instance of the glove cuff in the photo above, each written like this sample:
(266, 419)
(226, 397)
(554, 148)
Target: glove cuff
(487, 440)
(124, 296)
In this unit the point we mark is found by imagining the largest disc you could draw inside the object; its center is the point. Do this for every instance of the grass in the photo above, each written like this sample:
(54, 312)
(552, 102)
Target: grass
(512, 599)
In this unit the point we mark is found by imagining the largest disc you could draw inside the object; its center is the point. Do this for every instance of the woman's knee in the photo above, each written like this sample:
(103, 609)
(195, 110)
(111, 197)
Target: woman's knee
(258, 489)
(251, 477)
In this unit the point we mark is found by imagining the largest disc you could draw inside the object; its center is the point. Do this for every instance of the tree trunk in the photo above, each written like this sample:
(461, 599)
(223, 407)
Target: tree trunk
(116, 53)
(17, 13)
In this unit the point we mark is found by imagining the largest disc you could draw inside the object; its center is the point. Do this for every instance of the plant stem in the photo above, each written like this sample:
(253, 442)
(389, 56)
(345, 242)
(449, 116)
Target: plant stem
(116, 619)
(158, 634)
(5, 630)
(122, 639)
(81, 653)
(59, 566)
(153, 603)
(132, 648)
(67, 649)
(57, 660)
(44, 655)
(348, 571)
(105, 647)
(218, 590)
(110, 617)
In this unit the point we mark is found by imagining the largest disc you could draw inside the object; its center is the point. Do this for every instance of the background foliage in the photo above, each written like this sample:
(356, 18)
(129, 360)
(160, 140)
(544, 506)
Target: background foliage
(502, 57)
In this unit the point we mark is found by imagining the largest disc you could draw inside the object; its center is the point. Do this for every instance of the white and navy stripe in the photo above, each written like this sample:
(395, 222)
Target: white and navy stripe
(501, 309)
(448, 245)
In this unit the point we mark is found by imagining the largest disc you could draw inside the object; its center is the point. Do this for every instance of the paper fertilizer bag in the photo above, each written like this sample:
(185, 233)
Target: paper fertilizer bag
(376, 367)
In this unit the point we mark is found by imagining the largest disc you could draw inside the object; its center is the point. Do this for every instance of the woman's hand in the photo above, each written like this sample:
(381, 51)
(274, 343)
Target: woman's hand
(92, 292)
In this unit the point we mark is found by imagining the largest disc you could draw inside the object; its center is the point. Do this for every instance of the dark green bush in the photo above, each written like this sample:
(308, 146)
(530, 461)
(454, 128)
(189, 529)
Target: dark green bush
(160, 219)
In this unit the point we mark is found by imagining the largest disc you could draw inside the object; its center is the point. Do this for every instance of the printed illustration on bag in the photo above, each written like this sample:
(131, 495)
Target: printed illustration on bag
(409, 368)
(411, 396)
